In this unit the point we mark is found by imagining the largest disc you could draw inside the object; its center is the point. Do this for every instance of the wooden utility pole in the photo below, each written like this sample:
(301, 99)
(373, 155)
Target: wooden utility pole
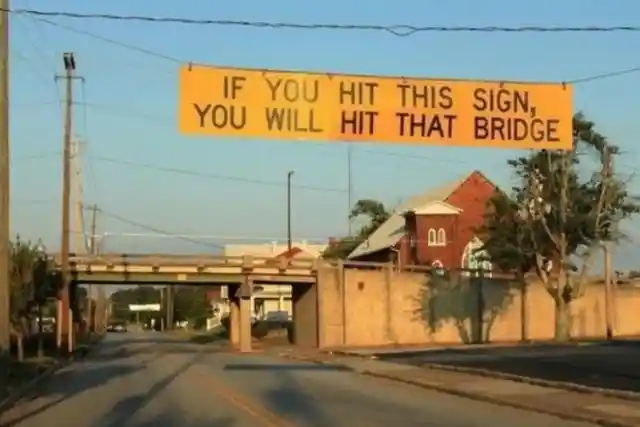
(5, 226)
(81, 243)
(65, 315)
(91, 326)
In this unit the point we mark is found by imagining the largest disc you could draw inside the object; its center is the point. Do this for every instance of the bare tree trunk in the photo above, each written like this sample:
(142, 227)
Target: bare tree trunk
(524, 312)
(562, 318)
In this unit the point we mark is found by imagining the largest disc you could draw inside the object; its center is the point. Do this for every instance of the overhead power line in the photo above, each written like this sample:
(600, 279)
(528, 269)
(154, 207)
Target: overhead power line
(213, 176)
(401, 30)
(157, 230)
(170, 58)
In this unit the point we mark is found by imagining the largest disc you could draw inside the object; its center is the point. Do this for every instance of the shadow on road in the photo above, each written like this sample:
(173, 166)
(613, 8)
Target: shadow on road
(289, 399)
(611, 365)
(68, 383)
(320, 403)
(122, 348)
(283, 367)
(169, 420)
(126, 409)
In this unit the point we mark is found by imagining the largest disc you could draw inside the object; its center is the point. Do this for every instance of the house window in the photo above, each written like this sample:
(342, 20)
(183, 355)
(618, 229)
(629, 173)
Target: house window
(432, 239)
(437, 238)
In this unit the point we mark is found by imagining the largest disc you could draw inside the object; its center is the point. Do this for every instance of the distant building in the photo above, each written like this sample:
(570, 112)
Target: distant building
(302, 249)
(273, 302)
(436, 228)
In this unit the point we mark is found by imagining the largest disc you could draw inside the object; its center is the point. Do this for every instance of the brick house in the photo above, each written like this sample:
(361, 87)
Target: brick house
(436, 228)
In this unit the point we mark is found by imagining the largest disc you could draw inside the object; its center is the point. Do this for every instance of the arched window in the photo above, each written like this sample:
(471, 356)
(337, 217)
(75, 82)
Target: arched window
(432, 237)
(442, 237)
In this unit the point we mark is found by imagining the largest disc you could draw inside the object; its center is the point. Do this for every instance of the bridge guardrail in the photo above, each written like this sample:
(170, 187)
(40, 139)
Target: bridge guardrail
(203, 261)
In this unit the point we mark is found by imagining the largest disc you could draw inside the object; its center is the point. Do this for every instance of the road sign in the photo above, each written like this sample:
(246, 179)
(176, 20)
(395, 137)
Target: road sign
(390, 110)
(144, 307)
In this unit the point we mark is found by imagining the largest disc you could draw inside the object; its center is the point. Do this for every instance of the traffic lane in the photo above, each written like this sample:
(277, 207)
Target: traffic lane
(606, 366)
(310, 395)
(154, 387)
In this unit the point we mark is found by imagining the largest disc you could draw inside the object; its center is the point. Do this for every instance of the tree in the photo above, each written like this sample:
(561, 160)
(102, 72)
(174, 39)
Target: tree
(376, 214)
(32, 283)
(506, 242)
(123, 298)
(558, 215)
(191, 304)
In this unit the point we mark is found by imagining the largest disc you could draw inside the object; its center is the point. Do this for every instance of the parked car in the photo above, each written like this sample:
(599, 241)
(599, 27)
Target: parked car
(117, 327)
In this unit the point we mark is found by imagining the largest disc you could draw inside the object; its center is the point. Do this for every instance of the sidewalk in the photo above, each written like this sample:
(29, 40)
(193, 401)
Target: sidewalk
(570, 405)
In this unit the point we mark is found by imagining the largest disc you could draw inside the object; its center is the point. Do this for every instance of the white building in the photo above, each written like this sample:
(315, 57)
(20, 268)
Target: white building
(273, 301)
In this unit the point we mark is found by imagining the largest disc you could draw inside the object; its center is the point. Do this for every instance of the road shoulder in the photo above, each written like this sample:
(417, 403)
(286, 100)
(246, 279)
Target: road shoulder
(44, 371)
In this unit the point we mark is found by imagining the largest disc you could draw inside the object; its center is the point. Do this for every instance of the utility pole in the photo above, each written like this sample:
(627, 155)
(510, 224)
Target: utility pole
(65, 315)
(5, 226)
(81, 242)
(289, 244)
(92, 250)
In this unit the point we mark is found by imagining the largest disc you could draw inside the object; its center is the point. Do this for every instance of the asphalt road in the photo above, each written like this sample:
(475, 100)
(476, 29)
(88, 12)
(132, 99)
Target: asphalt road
(148, 379)
(614, 365)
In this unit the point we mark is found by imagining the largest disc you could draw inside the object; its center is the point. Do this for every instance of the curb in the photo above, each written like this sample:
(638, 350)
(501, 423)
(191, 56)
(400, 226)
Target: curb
(578, 388)
(474, 396)
(22, 390)
(560, 385)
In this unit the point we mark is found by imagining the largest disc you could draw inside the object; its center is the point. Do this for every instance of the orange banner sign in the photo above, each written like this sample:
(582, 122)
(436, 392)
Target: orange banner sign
(389, 110)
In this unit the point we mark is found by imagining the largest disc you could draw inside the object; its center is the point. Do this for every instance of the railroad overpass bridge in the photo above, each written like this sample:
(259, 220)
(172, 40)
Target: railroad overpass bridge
(239, 274)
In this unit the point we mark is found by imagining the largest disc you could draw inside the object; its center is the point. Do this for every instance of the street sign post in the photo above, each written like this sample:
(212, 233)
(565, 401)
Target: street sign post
(298, 106)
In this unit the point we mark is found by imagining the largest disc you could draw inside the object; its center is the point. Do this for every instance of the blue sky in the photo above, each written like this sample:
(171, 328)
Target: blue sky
(131, 104)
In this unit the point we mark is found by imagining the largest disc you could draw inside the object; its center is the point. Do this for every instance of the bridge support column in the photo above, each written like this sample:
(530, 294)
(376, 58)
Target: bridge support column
(234, 322)
(245, 325)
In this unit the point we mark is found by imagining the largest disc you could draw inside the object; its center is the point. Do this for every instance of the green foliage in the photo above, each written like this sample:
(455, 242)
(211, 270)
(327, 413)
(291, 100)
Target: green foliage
(376, 214)
(122, 298)
(560, 210)
(191, 304)
(32, 279)
(504, 236)
(595, 205)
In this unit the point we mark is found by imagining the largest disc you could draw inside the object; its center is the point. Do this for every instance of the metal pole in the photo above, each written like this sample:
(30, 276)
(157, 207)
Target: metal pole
(5, 227)
(349, 187)
(289, 244)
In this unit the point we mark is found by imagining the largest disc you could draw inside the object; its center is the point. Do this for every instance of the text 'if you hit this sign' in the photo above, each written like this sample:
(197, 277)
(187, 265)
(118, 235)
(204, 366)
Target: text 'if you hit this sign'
(391, 110)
